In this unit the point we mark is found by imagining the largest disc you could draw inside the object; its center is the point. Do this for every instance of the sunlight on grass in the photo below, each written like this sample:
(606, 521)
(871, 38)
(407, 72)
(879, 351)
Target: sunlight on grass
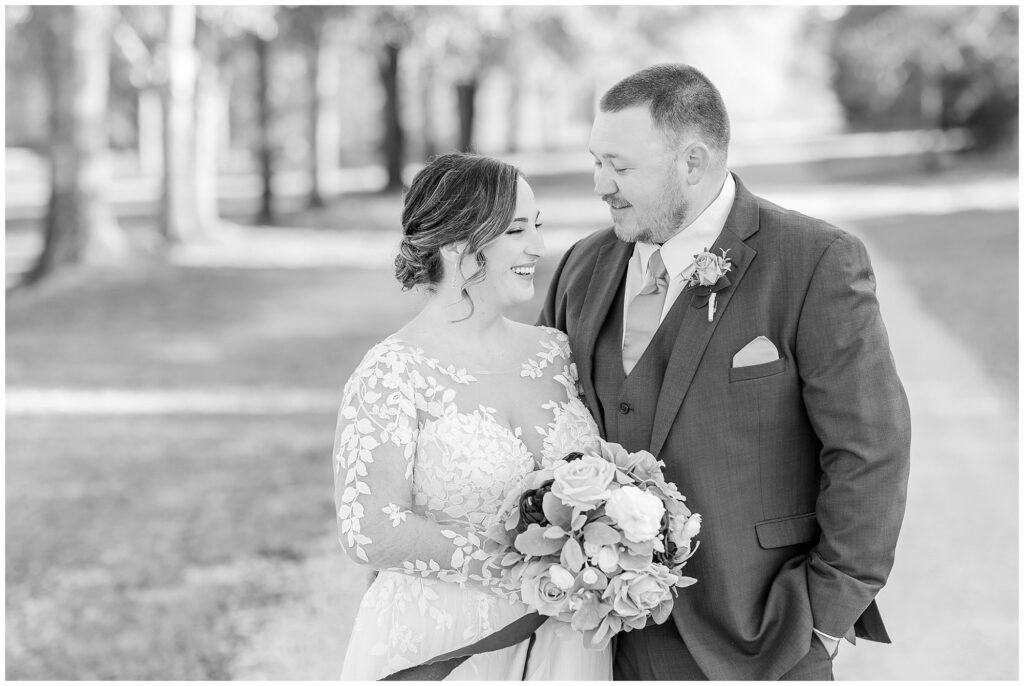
(132, 542)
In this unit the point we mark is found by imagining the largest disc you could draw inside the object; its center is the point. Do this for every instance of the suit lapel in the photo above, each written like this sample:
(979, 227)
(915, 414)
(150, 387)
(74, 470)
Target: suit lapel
(609, 270)
(695, 331)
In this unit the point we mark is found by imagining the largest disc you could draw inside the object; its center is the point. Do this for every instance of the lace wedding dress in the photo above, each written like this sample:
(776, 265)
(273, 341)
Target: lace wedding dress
(423, 456)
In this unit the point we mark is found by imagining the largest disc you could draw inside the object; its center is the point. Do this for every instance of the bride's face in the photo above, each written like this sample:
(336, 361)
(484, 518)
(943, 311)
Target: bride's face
(512, 257)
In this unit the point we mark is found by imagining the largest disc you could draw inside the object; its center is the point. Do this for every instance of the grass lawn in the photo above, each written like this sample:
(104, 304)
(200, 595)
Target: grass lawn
(964, 268)
(132, 543)
(183, 328)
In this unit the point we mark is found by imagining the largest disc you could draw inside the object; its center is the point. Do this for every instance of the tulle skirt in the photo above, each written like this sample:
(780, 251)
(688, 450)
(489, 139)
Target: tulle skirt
(404, 620)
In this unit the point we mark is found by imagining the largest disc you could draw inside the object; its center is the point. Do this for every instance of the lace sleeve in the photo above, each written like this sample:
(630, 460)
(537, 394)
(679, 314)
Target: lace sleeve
(563, 365)
(374, 450)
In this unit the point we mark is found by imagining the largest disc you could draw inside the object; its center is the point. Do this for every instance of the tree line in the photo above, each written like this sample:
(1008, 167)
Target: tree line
(934, 67)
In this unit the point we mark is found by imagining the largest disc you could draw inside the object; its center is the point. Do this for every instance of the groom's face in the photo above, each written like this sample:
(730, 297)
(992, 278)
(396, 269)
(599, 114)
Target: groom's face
(636, 171)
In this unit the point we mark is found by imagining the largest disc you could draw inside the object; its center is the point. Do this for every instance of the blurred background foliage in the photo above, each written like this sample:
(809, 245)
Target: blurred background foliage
(929, 67)
(184, 95)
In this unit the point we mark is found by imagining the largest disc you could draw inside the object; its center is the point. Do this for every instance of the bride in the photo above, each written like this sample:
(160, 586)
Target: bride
(440, 419)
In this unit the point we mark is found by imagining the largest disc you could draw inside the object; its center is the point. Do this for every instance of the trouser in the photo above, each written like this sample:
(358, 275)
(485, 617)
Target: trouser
(658, 653)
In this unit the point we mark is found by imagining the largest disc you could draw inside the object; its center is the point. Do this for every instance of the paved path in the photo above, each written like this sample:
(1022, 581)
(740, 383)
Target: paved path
(952, 599)
(124, 401)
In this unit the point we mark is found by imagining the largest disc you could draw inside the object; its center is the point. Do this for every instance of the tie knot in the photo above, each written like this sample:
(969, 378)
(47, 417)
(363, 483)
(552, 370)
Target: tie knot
(657, 275)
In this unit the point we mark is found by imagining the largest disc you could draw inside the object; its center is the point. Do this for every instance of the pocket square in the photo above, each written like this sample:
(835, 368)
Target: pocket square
(758, 351)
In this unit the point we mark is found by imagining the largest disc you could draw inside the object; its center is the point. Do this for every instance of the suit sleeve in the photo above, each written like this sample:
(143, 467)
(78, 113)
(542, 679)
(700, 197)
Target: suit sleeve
(553, 312)
(858, 408)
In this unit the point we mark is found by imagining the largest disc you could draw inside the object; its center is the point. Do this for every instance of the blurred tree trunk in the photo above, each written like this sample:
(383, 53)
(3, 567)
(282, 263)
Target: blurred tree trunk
(515, 95)
(151, 128)
(548, 94)
(325, 114)
(932, 106)
(428, 82)
(210, 108)
(265, 152)
(465, 93)
(394, 136)
(180, 207)
(80, 227)
(225, 140)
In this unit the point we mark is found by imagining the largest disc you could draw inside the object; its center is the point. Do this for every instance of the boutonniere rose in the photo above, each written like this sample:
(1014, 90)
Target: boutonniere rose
(709, 277)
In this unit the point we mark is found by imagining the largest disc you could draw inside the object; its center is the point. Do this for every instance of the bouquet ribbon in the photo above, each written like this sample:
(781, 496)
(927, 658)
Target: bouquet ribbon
(437, 668)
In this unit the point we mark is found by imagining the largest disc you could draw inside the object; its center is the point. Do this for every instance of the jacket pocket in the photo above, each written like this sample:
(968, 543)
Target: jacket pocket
(757, 371)
(777, 533)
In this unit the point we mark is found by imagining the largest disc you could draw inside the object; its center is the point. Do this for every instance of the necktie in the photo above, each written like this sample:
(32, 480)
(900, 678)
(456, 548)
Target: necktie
(644, 316)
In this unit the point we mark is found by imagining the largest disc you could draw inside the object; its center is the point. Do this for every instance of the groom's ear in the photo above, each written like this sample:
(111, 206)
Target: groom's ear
(694, 162)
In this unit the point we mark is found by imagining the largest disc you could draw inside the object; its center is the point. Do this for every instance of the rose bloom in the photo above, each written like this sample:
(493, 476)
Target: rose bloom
(583, 483)
(707, 268)
(635, 595)
(540, 592)
(637, 513)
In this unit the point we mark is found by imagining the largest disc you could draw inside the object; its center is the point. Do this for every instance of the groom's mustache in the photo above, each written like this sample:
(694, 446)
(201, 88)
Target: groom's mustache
(614, 200)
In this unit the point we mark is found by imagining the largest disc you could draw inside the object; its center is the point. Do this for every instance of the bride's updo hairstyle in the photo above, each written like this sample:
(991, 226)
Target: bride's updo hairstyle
(458, 197)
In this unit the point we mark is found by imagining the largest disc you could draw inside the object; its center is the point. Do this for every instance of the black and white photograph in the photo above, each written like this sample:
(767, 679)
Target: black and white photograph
(512, 342)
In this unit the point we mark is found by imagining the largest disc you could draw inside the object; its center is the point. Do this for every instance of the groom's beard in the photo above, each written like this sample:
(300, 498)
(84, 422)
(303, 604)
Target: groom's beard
(663, 222)
(659, 223)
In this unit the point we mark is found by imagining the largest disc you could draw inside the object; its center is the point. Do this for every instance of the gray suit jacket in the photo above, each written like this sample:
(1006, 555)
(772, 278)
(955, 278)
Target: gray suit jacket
(798, 466)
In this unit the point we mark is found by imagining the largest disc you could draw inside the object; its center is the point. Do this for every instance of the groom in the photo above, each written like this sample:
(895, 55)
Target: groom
(767, 388)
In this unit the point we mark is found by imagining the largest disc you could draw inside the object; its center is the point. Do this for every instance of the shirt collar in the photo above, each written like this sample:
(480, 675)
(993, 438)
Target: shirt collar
(678, 251)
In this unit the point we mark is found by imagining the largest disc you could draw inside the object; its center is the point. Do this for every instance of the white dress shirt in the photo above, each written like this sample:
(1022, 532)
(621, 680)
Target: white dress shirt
(678, 251)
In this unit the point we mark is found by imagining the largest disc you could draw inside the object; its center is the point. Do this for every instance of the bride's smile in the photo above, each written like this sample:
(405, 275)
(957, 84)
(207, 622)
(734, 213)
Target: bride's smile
(511, 258)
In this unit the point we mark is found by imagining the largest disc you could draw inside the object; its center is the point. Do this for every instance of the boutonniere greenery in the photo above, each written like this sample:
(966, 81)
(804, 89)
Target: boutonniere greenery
(708, 278)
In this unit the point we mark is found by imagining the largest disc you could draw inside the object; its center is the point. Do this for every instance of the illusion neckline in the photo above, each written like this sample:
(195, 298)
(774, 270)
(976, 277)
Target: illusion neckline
(461, 368)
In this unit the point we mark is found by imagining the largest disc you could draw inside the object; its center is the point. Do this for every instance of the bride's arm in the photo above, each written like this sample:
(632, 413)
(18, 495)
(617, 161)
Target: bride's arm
(374, 449)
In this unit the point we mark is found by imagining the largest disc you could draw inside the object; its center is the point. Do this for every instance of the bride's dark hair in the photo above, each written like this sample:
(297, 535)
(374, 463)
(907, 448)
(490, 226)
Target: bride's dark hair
(457, 197)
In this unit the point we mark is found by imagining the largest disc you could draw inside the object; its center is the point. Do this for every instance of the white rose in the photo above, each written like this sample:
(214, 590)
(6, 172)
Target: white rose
(637, 513)
(583, 483)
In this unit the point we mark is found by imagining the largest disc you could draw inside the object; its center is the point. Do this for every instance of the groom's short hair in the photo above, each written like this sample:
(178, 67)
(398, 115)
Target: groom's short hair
(681, 100)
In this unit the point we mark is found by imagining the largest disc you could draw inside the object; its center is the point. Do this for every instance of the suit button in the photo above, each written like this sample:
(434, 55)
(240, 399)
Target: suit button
(624, 408)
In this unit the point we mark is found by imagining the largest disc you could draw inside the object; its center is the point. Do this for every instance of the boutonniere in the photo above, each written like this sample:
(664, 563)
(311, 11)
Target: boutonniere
(708, 278)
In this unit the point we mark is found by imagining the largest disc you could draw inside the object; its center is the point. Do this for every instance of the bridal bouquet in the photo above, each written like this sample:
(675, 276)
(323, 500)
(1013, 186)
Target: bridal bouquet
(597, 540)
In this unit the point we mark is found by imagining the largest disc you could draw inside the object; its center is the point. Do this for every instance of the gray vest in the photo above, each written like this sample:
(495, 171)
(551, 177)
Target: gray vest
(628, 403)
